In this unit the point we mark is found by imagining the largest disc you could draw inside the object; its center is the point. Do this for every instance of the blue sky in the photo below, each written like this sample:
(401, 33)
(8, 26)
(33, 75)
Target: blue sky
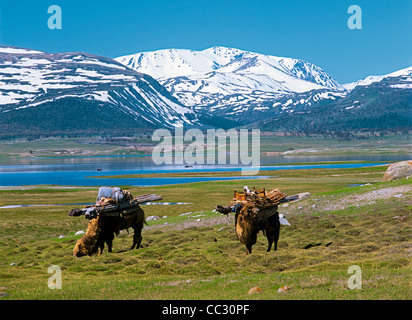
(313, 30)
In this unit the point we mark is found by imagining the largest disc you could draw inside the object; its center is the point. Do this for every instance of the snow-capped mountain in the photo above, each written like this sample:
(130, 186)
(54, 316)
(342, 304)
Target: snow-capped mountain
(49, 94)
(374, 104)
(247, 88)
(104, 88)
(222, 78)
(404, 77)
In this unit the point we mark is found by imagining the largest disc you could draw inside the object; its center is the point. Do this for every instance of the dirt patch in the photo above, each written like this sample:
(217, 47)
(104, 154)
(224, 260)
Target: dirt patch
(364, 198)
(202, 223)
(383, 193)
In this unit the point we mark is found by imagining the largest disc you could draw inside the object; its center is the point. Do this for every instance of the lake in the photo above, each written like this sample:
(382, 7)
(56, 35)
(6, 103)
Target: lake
(78, 171)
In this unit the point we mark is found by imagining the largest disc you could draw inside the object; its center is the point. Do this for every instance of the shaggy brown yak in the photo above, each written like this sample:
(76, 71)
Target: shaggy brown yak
(101, 230)
(247, 227)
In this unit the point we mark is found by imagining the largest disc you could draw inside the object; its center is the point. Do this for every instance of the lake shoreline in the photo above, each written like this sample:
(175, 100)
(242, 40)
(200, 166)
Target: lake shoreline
(152, 178)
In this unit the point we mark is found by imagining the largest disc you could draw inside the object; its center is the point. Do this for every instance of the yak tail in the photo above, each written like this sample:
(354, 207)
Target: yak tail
(144, 221)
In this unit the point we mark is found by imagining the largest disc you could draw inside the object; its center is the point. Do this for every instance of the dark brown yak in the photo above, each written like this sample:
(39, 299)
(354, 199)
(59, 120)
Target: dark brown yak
(101, 230)
(248, 224)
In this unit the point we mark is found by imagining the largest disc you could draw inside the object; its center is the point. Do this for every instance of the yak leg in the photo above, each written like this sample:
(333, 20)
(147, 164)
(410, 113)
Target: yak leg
(100, 246)
(272, 229)
(137, 237)
(109, 241)
(276, 242)
(270, 241)
(276, 235)
(273, 237)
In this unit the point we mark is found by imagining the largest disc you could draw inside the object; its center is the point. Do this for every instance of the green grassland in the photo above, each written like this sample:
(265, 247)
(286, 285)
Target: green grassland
(62, 147)
(197, 256)
(319, 145)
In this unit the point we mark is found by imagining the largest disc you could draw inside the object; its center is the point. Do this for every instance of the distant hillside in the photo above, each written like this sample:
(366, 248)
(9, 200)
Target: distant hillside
(380, 106)
(66, 94)
(232, 83)
(231, 87)
(52, 94)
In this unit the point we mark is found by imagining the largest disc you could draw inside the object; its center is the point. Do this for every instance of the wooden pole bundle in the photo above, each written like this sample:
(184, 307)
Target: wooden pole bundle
(109, 207)
(261, 203)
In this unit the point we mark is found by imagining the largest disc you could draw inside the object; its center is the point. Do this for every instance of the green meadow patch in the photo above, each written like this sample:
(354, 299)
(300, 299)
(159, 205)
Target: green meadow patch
(191, 252)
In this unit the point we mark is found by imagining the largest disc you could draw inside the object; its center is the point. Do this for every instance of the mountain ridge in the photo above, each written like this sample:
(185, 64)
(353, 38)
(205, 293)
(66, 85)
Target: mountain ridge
(251, 88)
(80, 93)
(30, 80)
(371, 79)
(202, 78)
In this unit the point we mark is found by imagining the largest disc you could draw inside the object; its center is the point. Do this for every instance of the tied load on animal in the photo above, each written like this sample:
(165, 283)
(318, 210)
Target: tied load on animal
(114, 210)
(257, 210)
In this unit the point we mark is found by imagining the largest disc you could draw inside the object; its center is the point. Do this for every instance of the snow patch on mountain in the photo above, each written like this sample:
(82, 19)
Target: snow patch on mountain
(221, 77)
(406, 75)
(30, 78)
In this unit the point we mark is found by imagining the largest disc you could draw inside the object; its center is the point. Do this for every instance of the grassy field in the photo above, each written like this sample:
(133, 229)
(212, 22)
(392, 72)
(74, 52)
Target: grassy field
(374, 145)
(197, 256)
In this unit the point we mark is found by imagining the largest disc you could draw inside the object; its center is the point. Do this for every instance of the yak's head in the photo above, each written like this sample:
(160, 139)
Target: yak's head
(80, 250)
(223, 210)
(86, 244)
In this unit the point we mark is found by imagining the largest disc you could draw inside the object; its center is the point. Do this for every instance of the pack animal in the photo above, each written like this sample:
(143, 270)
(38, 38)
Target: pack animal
(102, 229)
(248, 224)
